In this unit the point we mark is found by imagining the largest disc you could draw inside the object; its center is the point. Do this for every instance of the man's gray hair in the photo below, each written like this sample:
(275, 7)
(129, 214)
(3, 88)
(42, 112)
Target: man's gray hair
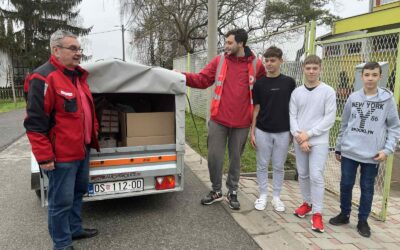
(56, 37)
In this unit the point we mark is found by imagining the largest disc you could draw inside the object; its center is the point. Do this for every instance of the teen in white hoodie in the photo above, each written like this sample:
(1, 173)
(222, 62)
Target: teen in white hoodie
(312, 113)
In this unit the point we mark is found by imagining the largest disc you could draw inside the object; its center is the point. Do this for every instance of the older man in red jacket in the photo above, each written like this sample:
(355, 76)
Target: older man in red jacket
(61, 126)
(234, 74)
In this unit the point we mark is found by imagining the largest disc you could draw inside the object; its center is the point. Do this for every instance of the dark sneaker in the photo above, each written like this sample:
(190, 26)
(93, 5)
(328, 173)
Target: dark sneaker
(363, 228)
(212, 197)
(232, 200)
(339, 220)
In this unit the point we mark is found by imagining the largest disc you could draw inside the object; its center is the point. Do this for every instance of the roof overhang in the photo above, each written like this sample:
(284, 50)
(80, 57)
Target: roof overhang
(380, 18)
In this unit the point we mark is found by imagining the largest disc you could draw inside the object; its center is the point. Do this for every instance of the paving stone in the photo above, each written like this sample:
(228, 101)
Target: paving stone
(325, 243)
(250, 191)
(347, 247)
(290, 217)
(345, 237)
(318, 235)
(278, 240)
(248, 225)
(294, 227)
(391, 246)
(383, 237)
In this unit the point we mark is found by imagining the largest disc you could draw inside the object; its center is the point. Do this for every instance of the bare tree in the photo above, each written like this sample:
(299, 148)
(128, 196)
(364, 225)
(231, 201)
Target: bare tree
(163, 29)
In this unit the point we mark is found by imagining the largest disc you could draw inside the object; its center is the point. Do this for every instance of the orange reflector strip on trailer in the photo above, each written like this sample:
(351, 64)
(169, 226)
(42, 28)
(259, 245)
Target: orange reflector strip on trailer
(130, 161)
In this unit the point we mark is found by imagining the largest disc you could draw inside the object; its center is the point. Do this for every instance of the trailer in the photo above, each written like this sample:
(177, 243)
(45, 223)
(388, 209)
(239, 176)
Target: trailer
(141, 113)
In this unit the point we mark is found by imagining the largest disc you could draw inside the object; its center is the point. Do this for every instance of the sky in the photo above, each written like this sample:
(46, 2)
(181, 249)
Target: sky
(104, 15)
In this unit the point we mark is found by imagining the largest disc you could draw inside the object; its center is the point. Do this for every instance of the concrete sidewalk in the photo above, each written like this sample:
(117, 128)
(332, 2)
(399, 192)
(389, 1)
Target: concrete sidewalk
(273, 230)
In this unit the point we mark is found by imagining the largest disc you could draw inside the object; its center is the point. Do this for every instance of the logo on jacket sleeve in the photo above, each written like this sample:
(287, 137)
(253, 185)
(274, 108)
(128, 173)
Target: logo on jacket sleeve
(45, 88)
(67, 94)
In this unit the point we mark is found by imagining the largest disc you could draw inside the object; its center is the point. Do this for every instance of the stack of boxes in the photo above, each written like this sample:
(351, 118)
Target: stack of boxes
(109, 128)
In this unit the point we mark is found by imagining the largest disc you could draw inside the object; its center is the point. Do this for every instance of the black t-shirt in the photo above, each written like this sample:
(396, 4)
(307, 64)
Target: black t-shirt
(273, 96)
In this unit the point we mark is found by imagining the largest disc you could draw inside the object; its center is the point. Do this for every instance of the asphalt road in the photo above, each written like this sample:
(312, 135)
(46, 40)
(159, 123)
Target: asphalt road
(11, 127)
(168, 221)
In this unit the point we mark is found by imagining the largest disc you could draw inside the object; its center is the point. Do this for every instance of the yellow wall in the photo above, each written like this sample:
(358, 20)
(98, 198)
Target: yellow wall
(371, 20)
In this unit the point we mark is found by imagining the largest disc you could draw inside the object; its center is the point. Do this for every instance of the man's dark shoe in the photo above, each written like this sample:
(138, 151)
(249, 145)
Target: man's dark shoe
(232, 200)
(339, 220)
(69, 248)
(87, 233)
(212, 197)
(363, 228)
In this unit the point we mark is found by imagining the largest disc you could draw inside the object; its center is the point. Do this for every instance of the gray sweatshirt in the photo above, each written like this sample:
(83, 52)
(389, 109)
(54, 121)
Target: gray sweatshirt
(313, 111)
(368, 126)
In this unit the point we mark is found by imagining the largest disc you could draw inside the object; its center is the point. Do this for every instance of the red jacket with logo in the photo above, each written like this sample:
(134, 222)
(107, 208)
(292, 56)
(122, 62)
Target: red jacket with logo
(235, 99)
(55, 119)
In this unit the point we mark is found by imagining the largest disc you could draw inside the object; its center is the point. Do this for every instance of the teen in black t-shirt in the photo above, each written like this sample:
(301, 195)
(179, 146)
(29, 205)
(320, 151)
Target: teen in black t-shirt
(273, 96)
(270, 129)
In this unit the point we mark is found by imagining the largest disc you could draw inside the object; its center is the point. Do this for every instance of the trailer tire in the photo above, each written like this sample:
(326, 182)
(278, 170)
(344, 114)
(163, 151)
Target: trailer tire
(38, 193)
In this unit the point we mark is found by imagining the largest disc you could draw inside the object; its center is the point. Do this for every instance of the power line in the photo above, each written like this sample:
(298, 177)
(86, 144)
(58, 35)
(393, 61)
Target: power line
(102, 32)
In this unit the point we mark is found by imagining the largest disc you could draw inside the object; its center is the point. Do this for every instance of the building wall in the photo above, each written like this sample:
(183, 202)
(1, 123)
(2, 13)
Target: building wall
(4, 66)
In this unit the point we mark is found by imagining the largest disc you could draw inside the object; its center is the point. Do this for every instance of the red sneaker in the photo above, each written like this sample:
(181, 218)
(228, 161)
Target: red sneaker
(316, 223)
(303, 210)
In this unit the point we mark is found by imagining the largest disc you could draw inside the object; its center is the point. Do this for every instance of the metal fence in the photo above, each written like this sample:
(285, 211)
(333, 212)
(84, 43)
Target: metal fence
(340, 58)
(6, 94)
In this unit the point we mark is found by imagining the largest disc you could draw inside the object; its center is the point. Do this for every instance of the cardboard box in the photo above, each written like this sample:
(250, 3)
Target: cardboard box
(150, 140)
(150, 124)
(155, 128)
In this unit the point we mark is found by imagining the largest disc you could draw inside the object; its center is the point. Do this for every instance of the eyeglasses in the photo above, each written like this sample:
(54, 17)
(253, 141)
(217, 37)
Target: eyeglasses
(73, 49)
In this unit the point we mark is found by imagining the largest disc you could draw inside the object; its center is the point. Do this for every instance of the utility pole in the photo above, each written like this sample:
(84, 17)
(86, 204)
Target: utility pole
(123, 42)
(211, 43)
(371, 5)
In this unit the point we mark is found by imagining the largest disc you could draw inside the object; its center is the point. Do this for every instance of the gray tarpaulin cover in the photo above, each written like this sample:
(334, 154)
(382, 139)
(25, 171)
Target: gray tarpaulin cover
(116, 76)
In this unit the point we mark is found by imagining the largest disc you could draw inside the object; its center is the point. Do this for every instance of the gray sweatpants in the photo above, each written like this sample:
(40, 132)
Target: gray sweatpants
(218, 136)
(310, 167)
(271, 146)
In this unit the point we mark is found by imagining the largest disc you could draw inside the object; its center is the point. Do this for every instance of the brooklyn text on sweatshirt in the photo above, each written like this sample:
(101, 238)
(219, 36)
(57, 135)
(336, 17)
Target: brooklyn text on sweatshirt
(369, 125)
(313, 112)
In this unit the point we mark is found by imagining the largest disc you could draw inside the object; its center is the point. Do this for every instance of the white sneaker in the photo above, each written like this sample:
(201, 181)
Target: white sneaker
(278, 204)
(260, 204)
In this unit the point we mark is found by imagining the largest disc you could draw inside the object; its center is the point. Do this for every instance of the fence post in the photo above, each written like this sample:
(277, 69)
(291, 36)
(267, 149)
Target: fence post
(389, 162)
(307, 39)
(188, 70)
(13, 93)
(313, 34)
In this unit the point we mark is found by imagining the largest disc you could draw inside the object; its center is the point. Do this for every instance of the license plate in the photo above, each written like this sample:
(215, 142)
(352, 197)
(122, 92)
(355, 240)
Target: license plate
(115, 187)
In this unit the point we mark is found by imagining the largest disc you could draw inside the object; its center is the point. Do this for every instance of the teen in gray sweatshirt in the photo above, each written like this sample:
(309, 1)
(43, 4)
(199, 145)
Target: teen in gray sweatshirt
(369, 125)
(369, 132)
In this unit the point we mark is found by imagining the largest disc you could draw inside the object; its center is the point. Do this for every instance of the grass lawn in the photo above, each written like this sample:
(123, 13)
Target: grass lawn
(248, 157)
(9, 106)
